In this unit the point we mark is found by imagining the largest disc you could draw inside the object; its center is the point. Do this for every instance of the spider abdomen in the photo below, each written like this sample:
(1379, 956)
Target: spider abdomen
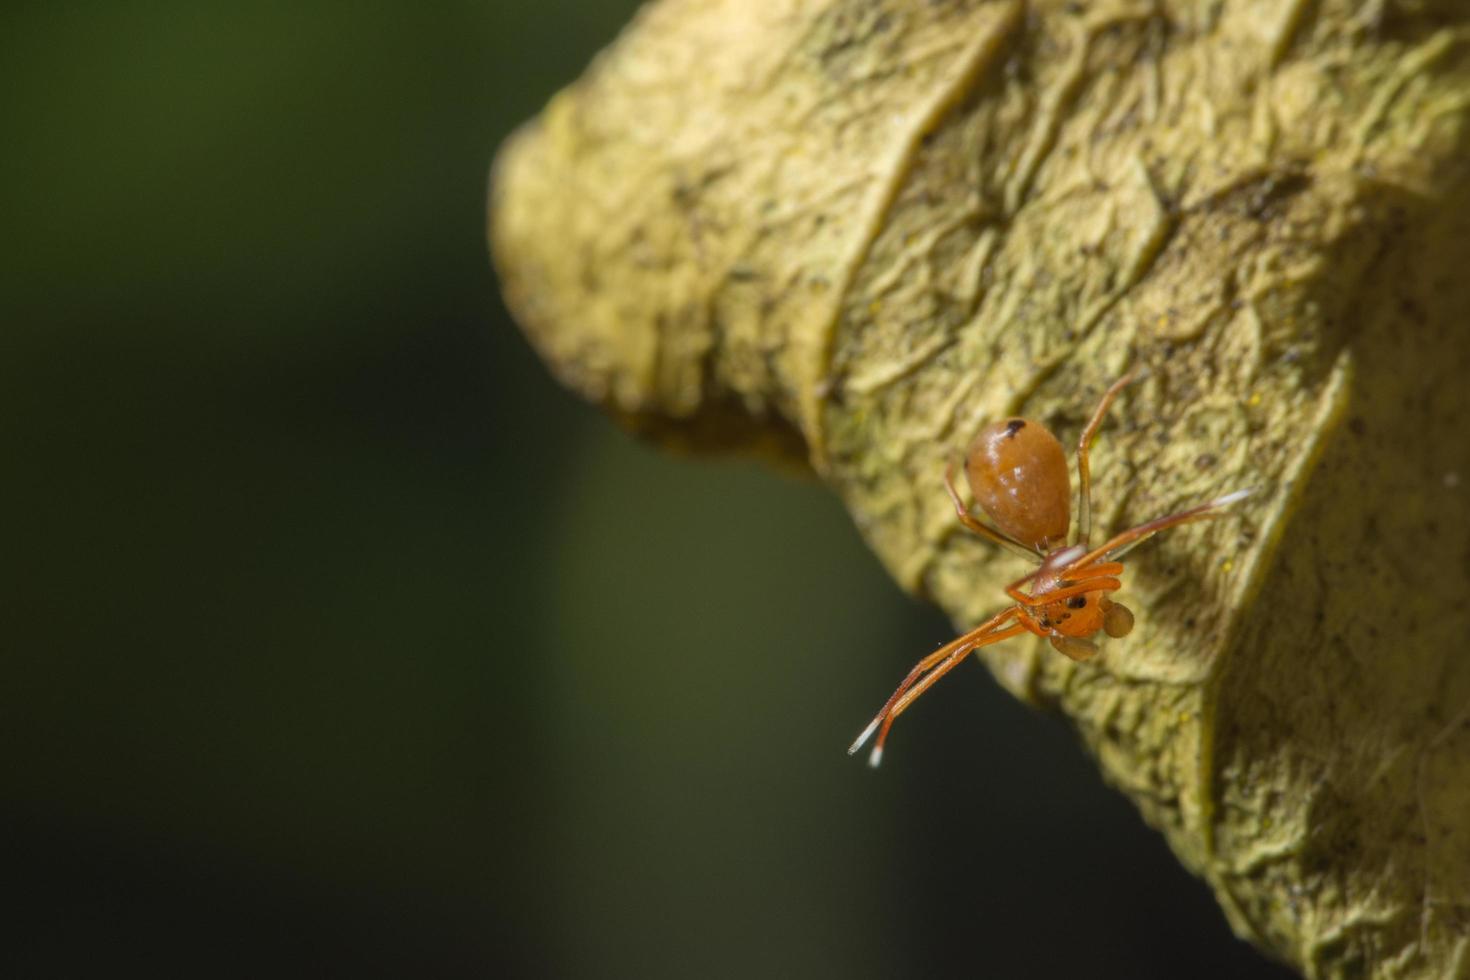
(1018, 474)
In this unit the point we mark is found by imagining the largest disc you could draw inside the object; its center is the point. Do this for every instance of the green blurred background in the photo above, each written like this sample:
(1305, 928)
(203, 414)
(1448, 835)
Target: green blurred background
(338, 640)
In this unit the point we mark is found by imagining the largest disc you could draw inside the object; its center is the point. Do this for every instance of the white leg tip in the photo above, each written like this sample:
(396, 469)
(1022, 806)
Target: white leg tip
(867, 733)
(1231, 498)
(876, 759)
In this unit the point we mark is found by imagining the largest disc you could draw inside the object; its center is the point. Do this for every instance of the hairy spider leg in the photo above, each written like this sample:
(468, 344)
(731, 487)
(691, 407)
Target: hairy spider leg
(978, 526)
(938, 663)
(1084, 465)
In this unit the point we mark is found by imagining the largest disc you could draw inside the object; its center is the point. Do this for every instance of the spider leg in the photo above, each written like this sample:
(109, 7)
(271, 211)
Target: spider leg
(980, 527)
(1121, 544)
(1014, 589)
(1084, 448)
(938, 663)
(1100, 576)
(1101, 583)
(945, 667)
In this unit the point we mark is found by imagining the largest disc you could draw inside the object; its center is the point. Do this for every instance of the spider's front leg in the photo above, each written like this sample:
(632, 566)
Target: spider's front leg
(928, 670)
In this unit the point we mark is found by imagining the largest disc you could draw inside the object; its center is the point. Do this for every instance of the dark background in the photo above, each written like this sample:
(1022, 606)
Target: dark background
(338, 640)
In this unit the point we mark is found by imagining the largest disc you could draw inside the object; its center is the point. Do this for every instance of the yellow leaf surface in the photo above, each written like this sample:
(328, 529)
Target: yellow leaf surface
(854, 232)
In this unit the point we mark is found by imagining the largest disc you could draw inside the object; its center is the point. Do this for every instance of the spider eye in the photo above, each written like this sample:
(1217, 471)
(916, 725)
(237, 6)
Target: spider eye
(1077, 602)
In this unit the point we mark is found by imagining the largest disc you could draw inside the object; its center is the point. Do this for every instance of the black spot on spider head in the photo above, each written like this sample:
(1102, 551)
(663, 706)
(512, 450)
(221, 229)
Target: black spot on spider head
(1014, 426)
(1077, 602)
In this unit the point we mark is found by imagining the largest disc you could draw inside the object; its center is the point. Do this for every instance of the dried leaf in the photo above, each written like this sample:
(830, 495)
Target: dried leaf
(859, 230)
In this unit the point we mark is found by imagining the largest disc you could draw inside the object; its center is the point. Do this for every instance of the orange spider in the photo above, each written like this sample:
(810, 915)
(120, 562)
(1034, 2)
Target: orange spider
(1017, 472)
